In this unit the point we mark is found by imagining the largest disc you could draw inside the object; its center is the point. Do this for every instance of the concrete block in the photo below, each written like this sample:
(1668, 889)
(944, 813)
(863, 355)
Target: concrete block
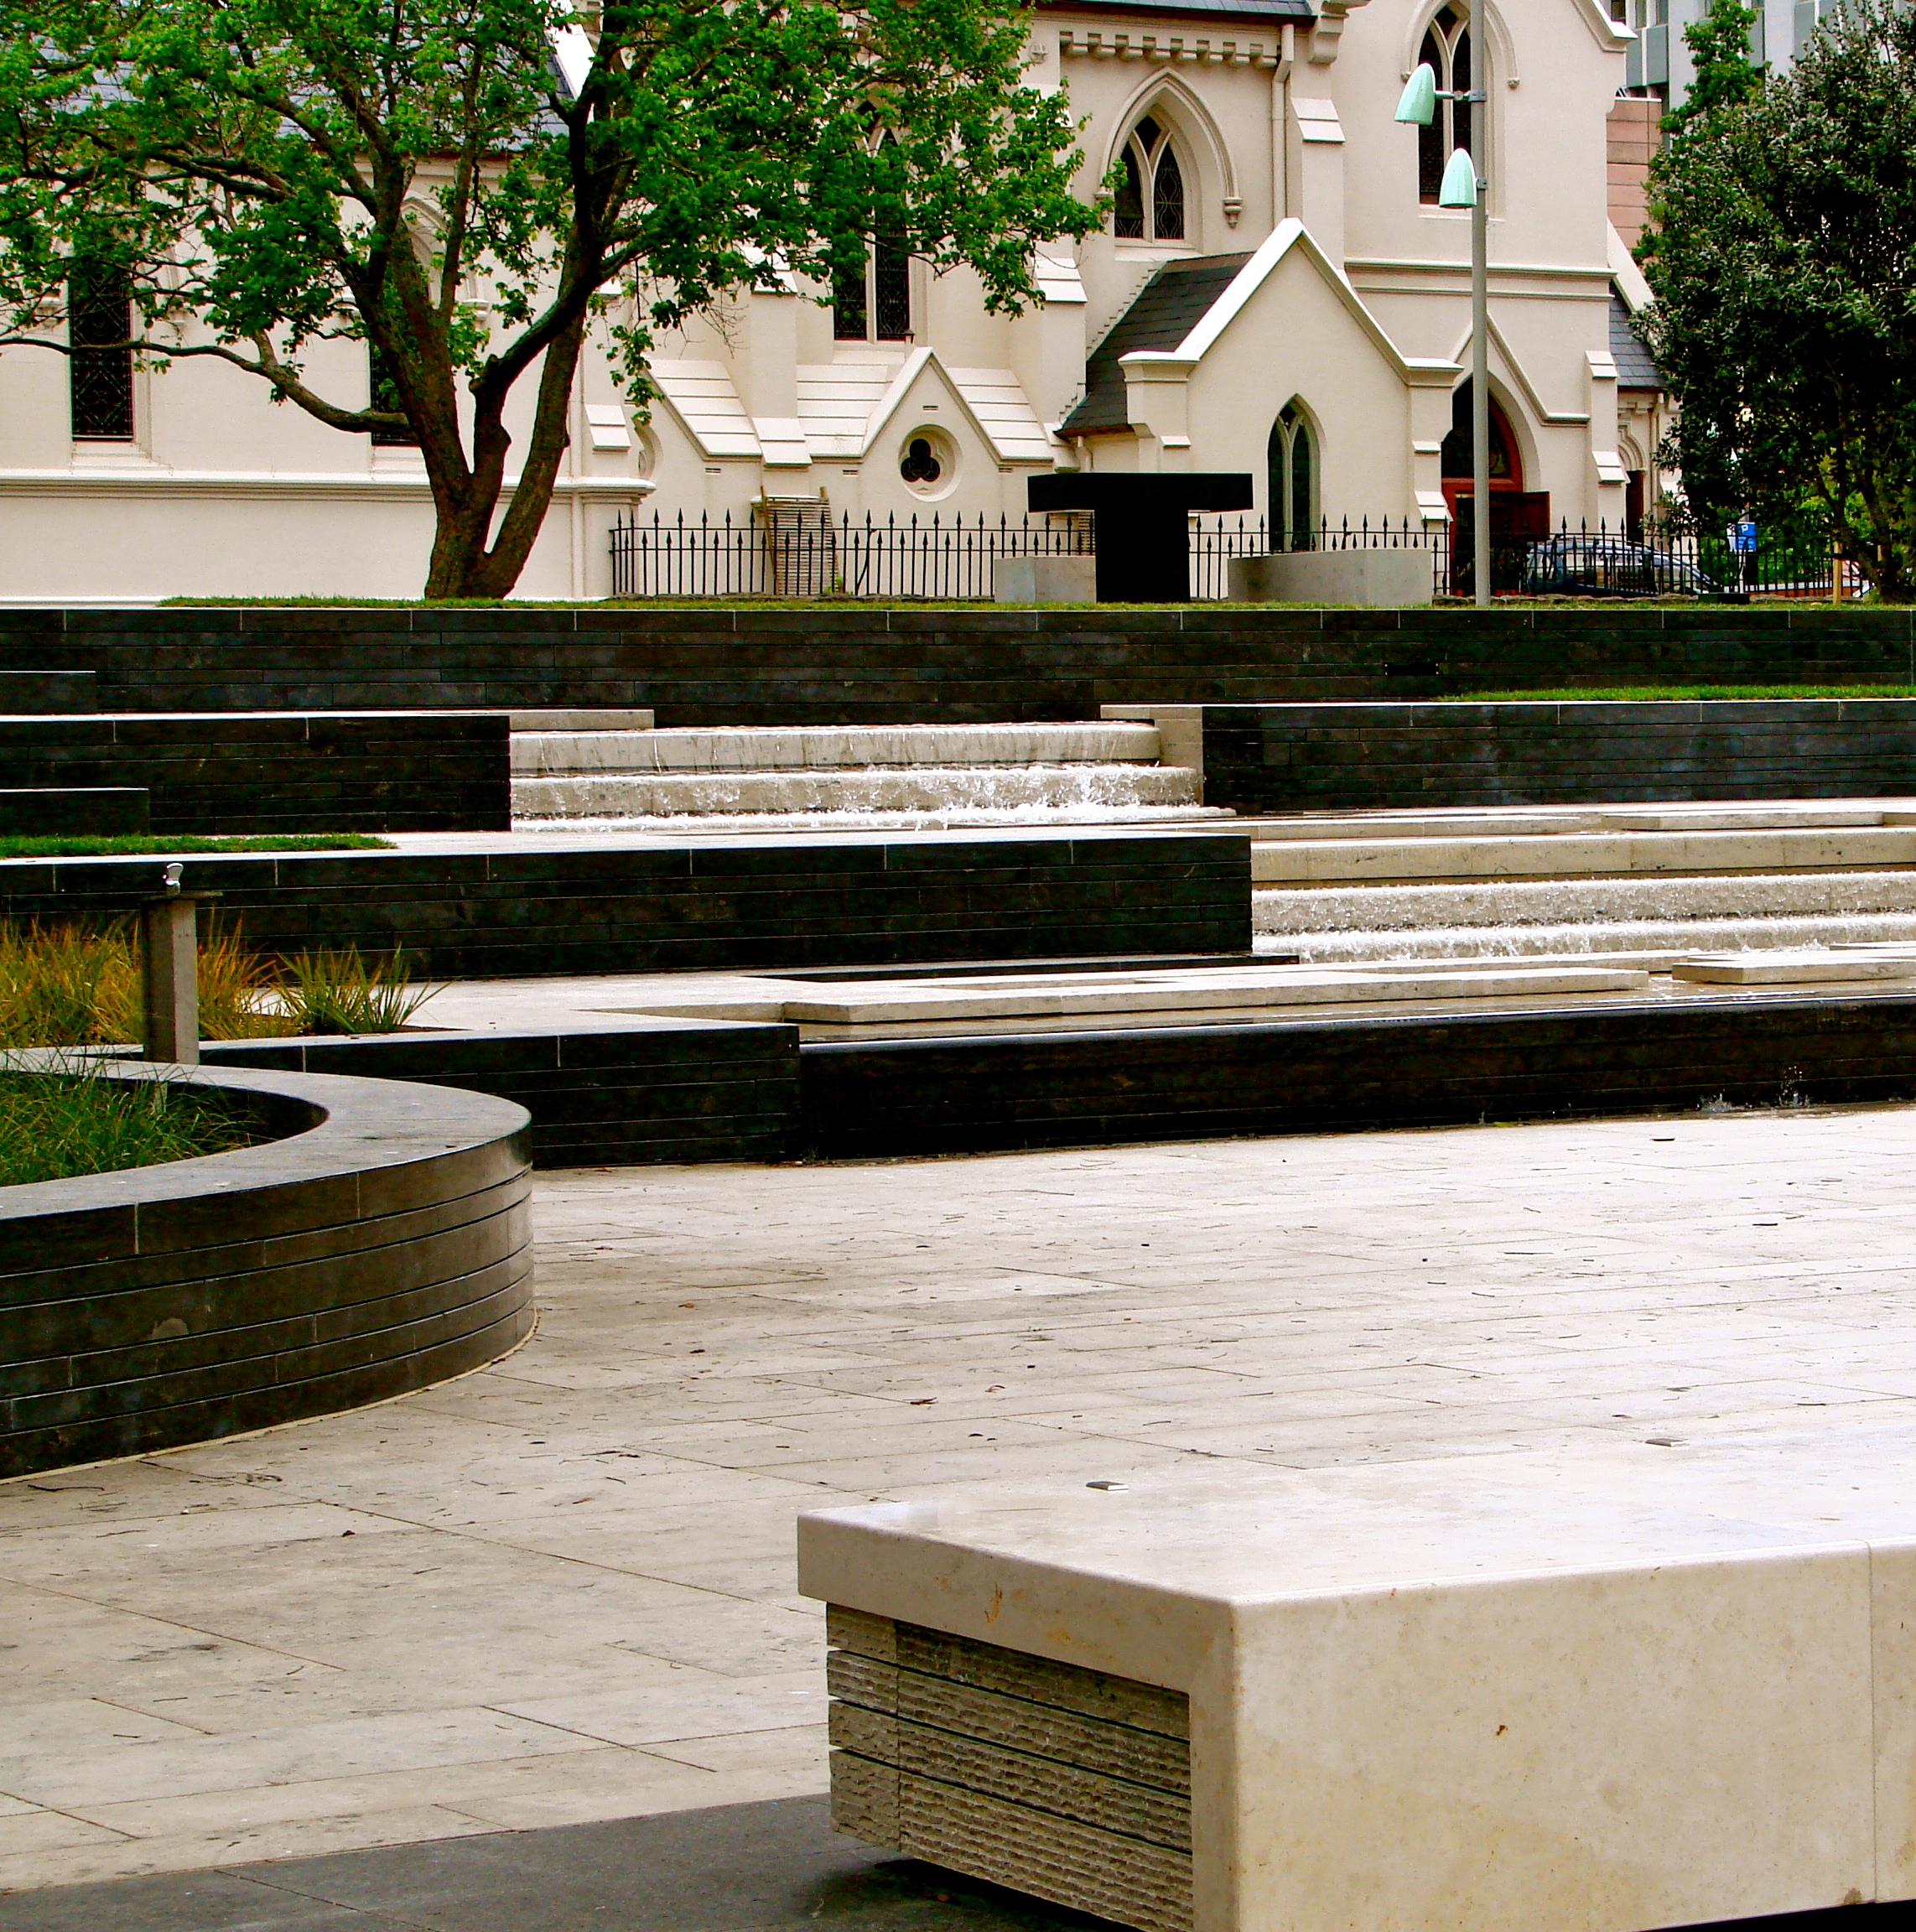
(1377, 579)
(1044, 581)
(1555, 1696)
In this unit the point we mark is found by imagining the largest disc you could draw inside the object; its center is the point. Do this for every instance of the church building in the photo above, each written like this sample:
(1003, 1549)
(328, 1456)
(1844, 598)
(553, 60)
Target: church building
(1276, 291)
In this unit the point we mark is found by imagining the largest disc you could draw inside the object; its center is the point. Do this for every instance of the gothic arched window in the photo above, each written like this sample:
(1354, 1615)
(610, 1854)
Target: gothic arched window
(1448, 53)
(1293, 459)
(100, 370)
(876, 306)
(1150, 197)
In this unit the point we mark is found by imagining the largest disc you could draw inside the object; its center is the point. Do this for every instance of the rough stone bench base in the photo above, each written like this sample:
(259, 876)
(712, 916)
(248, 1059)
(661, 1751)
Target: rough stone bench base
(1609, 1691)
(1066, 1783)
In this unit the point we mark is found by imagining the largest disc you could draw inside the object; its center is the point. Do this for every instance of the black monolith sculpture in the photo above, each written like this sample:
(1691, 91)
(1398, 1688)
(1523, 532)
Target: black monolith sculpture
(1142, 531)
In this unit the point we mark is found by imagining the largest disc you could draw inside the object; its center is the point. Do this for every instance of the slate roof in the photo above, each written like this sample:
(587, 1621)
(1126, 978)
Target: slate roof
(1636, 367)
(1175, 300)
(1243, 9)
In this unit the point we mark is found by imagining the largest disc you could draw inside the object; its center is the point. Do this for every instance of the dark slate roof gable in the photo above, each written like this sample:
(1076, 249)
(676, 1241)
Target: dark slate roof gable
(1169, 306)
(1636, 367)
(1298, 10)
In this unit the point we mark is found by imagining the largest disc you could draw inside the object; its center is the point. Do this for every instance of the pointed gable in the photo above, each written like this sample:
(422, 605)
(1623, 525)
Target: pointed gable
(1162, 313)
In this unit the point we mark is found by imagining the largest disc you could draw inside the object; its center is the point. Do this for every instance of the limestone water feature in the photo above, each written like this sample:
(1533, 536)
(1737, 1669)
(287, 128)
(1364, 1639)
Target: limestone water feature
(1331, 887)
(848, 777)
(1625, 880)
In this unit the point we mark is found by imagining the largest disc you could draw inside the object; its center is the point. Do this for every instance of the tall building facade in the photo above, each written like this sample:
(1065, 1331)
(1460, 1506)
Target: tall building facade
(1275, 292)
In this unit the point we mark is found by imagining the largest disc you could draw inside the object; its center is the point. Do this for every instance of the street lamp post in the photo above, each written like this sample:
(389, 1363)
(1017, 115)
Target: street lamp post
(1465, 186)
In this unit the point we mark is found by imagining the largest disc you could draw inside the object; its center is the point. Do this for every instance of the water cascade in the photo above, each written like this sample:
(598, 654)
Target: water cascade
(848, 777)
(1529, 882)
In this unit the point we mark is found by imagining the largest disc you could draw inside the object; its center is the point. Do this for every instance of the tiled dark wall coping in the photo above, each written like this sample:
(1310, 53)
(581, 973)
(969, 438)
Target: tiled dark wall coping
(715, 665)
(384, 1244)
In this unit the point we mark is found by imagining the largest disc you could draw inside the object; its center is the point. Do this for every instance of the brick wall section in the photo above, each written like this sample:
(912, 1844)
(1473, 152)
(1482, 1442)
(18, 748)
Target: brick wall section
(1061, 1090)
(616, 1096)
(27, 693)
(507, 914)
(1289, 758)
(1632, 140)
(233, 772)
(799, 666)
(161, 1306)
(37, 814)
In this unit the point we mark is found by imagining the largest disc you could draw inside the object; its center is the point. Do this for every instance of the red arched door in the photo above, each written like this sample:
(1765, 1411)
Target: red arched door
(1518, 516)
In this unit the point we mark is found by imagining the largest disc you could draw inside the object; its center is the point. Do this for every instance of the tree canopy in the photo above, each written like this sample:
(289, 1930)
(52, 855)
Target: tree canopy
(1783, 258)
(264, 176)
(1725, 76)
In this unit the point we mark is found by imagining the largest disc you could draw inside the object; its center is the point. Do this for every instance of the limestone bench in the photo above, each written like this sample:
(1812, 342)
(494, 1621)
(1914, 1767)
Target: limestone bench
(1654, 1688)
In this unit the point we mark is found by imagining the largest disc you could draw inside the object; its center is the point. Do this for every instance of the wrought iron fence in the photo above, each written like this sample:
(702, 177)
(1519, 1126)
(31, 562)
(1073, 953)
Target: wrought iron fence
(791, 553)
(802, 550)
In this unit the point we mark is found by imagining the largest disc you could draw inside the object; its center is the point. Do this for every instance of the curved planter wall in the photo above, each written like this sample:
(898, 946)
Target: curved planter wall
(384, 1245)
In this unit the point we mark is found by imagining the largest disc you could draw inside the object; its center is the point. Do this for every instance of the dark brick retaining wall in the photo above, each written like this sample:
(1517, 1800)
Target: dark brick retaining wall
(616, 1096)
(1058, 1090)
(662, 1090)
(719, 904)
(41, 812)
(716, 666)
(386, 1248)
(1321, 757)
(25, 693)
(446, 771)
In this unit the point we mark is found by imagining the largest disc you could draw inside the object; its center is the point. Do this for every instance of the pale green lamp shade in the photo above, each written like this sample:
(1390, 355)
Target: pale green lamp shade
(1459, 188)
(1419, 99)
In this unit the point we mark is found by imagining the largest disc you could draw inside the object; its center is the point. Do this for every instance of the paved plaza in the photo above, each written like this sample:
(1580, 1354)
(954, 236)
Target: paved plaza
(559, 1592)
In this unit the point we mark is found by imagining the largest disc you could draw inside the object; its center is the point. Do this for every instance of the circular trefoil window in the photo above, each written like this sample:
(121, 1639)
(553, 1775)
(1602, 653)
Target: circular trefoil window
(920, 465)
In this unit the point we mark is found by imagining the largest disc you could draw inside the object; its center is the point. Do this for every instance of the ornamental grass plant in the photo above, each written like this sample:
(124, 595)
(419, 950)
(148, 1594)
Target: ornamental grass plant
(73, 985)
(336, 991)
(56, 1125)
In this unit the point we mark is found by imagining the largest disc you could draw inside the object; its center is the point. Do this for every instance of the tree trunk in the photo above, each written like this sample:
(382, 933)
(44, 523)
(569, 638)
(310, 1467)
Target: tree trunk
(463, 564)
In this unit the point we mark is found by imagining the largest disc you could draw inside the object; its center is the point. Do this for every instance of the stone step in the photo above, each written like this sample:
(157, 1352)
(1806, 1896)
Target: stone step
(1653, 943)
(1573, 854)
(935, 789)
(1502, 903)
(1511, 822)
(1210, 990)
(1802, 967)
(576, 720)
(541, 753)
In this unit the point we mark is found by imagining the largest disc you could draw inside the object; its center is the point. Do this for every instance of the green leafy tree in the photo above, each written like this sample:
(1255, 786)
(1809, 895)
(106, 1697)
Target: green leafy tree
(267, 176)
(1725, 77)
(1783, 259)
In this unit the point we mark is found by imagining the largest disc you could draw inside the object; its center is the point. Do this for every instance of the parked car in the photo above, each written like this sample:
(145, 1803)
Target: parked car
(1569, 565)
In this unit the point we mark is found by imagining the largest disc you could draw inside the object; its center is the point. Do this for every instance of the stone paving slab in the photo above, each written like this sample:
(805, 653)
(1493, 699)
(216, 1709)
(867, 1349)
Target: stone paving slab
(769, 1867)
(560, 1592)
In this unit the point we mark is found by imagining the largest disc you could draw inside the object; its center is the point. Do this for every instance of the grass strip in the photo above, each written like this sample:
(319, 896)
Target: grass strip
(1676, 694)
(124, 844)
(55, 1126)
